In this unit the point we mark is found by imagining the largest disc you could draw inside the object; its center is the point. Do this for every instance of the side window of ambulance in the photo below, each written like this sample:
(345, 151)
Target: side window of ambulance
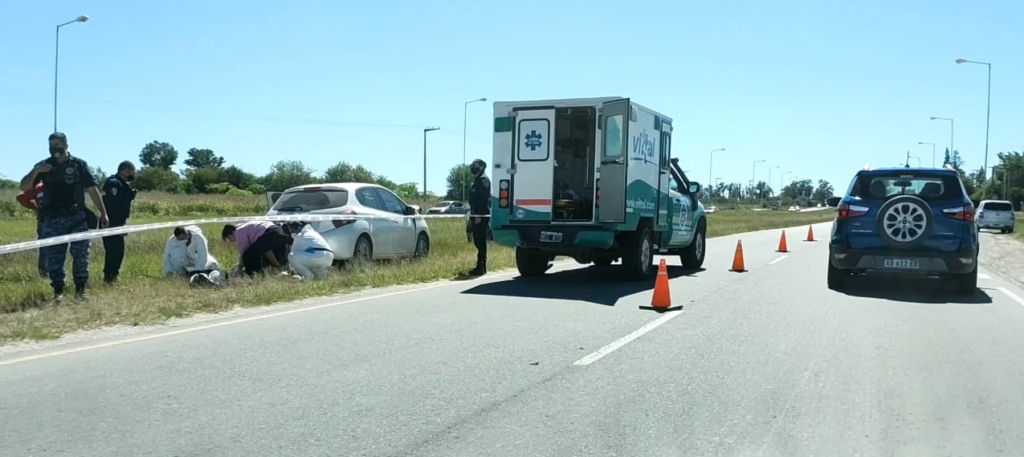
(613, 136)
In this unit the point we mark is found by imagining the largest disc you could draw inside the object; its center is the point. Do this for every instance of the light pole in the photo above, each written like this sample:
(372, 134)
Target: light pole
(950, 133)
(56, 60)
(753, 174)
(933, 151)
(711, 162)
(988, 109)
(428, 129)
(465, 111)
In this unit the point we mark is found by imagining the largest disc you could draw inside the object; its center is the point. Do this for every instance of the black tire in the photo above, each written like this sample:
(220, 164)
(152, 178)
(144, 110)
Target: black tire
(638, 256)
(1002, 230)
(531, 264)
(693, 256)
(422, 246)
(966, 284)
(603, 261)
(363, 251)
(836, 277)
(1009, 230)
(924, 217)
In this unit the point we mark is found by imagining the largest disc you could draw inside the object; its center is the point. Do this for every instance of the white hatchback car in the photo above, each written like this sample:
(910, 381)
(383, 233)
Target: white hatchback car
(996, 214)
(388, 228)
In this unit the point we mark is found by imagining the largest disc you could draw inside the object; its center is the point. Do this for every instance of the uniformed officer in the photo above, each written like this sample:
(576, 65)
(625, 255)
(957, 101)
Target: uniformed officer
(63, 211)
(118, 195)
(479, 211)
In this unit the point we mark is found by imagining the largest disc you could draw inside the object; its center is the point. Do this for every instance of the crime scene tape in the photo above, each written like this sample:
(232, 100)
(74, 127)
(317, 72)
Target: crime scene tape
(93, 234)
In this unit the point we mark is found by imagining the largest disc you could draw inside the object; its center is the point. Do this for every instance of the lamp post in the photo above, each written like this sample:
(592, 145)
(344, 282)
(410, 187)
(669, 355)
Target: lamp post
(988, 109)
(950, 132)
(56, 61)
(465, 111)
(711, 162)
(428, 129)
(933, 151)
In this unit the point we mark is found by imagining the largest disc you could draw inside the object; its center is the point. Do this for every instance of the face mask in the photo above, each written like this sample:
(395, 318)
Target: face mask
(474, 170)
(56, 151)
(130, 178)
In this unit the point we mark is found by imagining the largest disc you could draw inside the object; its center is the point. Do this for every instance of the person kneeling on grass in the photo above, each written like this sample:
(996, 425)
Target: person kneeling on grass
(259, 243)
(187, 253)
(311, 256)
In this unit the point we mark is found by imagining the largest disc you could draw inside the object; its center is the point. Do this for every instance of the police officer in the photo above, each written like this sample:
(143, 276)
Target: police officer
(118, 195)
(479, 212)
(63, 212)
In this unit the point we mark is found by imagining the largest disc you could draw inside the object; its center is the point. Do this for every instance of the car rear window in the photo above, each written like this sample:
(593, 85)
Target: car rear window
(998, 206)
(883, 186)
(312, 200)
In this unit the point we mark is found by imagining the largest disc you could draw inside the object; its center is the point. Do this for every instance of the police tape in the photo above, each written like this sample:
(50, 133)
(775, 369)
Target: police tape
(126, 229)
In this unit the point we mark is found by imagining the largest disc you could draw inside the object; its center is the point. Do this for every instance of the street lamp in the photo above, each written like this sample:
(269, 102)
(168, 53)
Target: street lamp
(56, 59)
(933, 151)
(988, 109)
(465, 110)
(428, 129)
(950, 131)
(711, 162)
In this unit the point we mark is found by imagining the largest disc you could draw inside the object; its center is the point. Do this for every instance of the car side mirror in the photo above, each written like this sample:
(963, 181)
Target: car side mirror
(695, 187)
(833, 201)
(410, 211)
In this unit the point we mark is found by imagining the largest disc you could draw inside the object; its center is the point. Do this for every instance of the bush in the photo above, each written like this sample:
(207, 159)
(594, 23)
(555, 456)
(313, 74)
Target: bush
(257, 189)
(220, 188)
(236, 192)
(158, 179)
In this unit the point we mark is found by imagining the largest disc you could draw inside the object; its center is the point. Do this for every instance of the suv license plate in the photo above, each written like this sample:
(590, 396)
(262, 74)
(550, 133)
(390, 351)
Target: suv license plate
(909, 264)
(551, 237)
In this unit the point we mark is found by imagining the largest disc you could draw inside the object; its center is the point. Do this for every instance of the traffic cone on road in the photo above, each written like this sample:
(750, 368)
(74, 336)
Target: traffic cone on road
(782, 243)
(737, 259)
(810, 233)
(662, 299)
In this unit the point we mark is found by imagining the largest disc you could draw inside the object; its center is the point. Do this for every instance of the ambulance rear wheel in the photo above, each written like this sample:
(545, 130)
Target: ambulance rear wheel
(638, 256)
(531, 264)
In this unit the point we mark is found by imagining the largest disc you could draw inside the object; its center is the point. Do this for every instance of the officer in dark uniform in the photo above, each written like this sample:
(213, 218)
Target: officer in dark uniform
(479, 212)
(118, 195)
(62, 211)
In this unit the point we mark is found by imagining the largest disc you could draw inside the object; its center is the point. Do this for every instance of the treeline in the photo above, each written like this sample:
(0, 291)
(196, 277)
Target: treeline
(801, 192)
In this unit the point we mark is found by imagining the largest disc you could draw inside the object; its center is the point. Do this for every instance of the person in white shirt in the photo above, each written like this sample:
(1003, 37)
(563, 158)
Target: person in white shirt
(311, 256)
(187, 251)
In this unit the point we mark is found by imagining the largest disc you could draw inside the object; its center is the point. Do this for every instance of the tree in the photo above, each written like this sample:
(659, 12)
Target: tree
(99, 175)
(823, 192)
(157, 179)
(237, 177)
(158, 154)
(203, 158)
(460, 179)
(286, 174)
(8, 183)
(408, 191)
(202, 178)
(797, 189)
(343, 172)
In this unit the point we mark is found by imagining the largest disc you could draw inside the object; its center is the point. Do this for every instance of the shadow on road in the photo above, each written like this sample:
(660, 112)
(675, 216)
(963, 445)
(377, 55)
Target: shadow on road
(599, 285)
(923, 291)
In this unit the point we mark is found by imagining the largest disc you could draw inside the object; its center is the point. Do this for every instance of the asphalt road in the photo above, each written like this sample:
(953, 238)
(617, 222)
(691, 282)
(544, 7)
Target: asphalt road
(767, 362)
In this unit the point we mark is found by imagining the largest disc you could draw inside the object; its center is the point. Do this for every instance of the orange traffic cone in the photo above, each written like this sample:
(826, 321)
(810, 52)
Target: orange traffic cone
(662, 299)
(782, 243)
(737, 259)
(810, 233)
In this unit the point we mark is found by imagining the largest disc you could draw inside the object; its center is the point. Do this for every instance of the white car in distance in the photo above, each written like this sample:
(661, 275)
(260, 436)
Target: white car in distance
(383, 226)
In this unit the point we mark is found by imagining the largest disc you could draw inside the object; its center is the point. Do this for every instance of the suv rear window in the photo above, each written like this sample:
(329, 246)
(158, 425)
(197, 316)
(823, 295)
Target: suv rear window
(929, 187)
(997, 206)
(312, 200)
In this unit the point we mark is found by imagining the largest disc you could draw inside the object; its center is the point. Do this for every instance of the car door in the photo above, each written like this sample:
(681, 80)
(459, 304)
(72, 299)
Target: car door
(403, 228)
(381, 228)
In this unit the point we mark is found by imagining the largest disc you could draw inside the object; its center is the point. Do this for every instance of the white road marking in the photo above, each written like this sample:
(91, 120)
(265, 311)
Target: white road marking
(773, 262)
(983, 276)
(1013, 296)
(598, 354)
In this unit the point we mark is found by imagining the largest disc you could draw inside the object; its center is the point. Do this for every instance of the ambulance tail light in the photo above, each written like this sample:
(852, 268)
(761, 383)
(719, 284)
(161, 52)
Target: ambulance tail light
(503, 196)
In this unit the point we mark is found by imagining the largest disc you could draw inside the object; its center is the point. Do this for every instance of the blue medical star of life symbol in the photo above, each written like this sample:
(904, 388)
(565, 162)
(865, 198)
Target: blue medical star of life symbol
(533, 140)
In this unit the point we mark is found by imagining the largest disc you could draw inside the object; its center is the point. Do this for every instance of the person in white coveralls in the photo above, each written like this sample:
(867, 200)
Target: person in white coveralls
(311, 256)
(187, 252)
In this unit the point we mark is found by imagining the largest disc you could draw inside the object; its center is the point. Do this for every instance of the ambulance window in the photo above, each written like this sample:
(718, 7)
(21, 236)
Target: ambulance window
(534, 138)
(666, 149)
(613, 136)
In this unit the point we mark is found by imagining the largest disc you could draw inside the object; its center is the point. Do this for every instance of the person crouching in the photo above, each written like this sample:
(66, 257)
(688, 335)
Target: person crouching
(188, 253)
(259, 243)
(311, 256)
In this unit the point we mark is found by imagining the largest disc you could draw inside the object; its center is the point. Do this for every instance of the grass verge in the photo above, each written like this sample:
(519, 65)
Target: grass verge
(146, 297)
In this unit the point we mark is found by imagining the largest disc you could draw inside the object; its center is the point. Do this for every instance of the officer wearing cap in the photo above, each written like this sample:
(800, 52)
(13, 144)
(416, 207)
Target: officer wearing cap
(118, 195)
(479, 213)
(62, 211)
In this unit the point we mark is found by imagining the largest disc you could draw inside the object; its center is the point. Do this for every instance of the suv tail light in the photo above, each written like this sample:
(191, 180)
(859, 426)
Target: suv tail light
(503, 193)
(846, 210)
(343, 222)
(964, 213)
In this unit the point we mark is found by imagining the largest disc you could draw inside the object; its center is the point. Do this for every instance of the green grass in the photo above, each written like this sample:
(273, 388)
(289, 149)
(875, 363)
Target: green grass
(146, 297)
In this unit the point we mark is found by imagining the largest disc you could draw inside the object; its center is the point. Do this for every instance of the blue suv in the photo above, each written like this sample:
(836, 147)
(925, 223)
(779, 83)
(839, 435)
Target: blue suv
(905, 222)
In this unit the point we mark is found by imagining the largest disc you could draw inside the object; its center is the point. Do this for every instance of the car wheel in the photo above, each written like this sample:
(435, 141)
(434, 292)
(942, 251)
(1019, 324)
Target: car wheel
(905, 222)
(363, 251)
(693, 255)
(531, 264)
(1009, 230)
(967, 283)
(836, 277)
(639, 256)
(422, 246)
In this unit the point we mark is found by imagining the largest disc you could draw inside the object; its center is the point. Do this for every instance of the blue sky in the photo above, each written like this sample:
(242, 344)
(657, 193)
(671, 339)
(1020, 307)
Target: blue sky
(816, 88)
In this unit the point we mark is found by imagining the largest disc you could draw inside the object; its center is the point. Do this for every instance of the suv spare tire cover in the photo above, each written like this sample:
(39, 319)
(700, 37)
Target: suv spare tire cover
(909, 219)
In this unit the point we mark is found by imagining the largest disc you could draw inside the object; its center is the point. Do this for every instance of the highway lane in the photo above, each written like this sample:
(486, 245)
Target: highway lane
(767, 362)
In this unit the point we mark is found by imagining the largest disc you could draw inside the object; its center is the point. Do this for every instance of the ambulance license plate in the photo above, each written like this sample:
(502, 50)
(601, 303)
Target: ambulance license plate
(551, 237)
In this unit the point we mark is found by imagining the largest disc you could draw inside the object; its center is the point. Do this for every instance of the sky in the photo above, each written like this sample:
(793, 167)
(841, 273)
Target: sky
(817, 89)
